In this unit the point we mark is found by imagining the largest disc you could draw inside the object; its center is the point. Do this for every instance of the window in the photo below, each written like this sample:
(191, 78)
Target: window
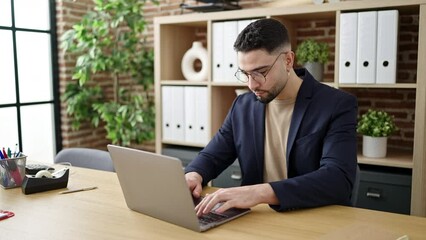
(29, 102)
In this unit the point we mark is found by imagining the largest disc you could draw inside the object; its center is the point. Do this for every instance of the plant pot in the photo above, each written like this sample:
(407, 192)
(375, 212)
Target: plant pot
(316, 69)
(374, 147)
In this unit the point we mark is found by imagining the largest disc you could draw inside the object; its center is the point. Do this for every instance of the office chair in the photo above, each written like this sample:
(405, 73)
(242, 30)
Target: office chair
(85, 157)
(354, 196)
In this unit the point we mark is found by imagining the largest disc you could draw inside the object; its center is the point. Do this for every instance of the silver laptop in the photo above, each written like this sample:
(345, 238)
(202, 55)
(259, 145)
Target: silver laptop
(155, 185)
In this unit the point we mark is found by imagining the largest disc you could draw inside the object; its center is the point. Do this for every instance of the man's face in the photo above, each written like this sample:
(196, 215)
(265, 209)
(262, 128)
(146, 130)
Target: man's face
(267, 75)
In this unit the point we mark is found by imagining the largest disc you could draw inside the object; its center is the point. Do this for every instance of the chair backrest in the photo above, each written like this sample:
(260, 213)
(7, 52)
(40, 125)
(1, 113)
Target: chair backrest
(86, 157)
(354, 196)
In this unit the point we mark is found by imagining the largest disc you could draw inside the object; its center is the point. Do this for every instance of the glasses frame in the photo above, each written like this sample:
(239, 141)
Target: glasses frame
(250, 74)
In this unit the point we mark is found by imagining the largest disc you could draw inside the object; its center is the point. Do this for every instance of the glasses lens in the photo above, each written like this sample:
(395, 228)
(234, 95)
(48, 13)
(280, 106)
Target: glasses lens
(258, 77)
(242, 77)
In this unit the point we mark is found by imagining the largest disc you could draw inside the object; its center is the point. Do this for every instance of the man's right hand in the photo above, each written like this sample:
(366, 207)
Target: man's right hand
(194, 182)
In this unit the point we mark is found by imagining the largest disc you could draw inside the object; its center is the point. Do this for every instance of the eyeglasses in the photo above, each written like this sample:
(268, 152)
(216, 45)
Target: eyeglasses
(243, 76)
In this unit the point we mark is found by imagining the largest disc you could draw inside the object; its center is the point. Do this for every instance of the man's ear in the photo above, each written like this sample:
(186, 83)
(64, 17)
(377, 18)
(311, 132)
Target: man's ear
(289, 59)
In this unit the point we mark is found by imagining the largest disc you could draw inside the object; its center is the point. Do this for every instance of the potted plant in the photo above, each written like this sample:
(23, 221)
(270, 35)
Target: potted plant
(375, 126)
(111, 53)
(313, 55)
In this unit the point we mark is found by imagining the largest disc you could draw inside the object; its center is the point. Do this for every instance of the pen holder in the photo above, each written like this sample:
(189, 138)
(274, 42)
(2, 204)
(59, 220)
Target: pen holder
(32, 184)
(12, 171)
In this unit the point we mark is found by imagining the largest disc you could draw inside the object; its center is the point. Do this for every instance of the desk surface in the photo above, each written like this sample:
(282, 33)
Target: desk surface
(103, 214)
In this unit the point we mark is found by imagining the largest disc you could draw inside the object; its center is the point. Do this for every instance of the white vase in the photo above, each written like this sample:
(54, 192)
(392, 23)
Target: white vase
(374, 147)
(197, 51)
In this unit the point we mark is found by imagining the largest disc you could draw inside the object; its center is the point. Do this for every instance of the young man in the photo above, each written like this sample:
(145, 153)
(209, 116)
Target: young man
(295, 138)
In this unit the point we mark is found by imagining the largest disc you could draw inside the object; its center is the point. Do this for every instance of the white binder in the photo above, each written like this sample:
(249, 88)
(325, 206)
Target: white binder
(178, 114)
(202, 115)
(348, 47)
(387, 45)
(366, 50)
(190, 114)
(230, 29)
(243, 24)
(217, 52)
(166, 99)
(173, 113)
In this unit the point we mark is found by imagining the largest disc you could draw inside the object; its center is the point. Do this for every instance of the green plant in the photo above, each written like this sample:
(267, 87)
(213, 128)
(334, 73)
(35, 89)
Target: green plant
(109, 45)
(312, 51)
(376, 123)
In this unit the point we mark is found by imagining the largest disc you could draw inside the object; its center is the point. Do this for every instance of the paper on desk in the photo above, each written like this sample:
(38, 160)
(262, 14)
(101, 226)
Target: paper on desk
(363, 231)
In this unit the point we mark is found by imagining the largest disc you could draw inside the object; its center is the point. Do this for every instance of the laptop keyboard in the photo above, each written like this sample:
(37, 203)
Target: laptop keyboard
(211, 217)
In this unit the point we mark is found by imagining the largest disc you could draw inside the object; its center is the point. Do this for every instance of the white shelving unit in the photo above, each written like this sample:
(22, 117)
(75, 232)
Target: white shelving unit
(174, 35)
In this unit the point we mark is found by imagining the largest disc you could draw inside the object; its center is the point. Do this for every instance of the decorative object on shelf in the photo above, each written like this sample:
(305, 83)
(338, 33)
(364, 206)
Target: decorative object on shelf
(110, 50)
(197, 51)
(313, 55)
(211, 5)
(375, 126)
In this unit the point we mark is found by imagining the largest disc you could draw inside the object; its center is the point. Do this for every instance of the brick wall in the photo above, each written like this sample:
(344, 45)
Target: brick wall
(70, 12)
(399, 102)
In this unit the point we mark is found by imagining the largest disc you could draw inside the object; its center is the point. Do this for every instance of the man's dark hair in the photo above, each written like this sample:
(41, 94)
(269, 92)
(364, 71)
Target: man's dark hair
(268, 34)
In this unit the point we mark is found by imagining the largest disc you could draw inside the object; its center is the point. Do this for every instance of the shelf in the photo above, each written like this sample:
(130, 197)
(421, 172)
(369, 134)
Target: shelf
(394, 158)
(211, 7)
(397, 85)
(229, 84)
(183, 83)
(331, 84)
(298, 12)
(186, 144)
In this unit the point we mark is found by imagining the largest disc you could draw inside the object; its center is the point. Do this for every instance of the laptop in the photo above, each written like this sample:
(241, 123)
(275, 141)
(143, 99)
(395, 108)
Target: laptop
(155, 185)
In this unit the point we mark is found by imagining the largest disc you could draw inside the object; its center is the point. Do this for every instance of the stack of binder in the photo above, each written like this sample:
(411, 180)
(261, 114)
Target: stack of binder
(368, 47)
(185, 114)
(225, 62)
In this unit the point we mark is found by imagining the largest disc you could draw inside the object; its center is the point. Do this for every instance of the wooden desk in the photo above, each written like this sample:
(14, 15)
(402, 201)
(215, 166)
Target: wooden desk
(103, 214)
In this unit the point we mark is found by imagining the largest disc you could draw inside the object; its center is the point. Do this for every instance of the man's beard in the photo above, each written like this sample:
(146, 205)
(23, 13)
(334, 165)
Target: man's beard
(272, 94)
(269, 97)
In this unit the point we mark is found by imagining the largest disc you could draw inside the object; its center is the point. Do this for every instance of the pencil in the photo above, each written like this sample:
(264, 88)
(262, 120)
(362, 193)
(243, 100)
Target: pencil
(78, 190)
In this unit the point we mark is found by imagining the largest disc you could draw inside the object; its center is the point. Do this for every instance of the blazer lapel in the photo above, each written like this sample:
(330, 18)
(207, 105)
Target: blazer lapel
(259, 137)
(302, 102)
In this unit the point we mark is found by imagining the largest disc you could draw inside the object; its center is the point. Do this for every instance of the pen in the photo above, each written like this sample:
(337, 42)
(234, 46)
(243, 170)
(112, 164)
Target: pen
(78, 190)
(5, 154)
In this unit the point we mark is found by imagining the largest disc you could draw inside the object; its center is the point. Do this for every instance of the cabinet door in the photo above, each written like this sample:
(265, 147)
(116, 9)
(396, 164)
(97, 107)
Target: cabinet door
(385, 192)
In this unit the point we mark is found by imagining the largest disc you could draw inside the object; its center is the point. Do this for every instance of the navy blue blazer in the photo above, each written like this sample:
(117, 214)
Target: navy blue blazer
(321, 147)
